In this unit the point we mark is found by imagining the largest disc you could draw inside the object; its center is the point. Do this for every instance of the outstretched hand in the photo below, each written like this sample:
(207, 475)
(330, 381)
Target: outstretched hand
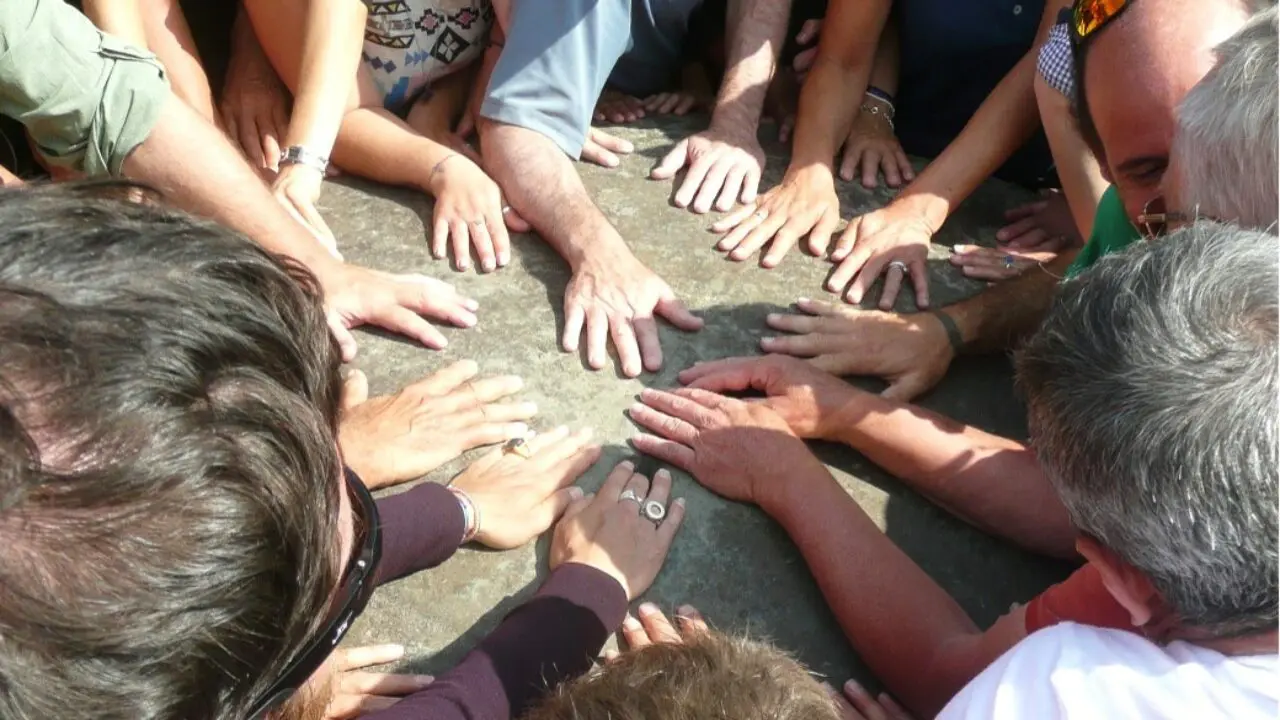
(723, 167)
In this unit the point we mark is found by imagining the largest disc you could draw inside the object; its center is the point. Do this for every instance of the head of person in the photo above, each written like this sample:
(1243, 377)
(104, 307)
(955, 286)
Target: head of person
(174, 521)
(1133, 69)
(1224, 161)
(1151, 392)
(708, 676)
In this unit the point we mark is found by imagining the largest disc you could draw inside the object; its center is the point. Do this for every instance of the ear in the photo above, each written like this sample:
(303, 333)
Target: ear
(1126, 583)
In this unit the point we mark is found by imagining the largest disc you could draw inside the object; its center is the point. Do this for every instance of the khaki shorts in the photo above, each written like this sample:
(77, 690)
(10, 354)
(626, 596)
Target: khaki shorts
(87, 99)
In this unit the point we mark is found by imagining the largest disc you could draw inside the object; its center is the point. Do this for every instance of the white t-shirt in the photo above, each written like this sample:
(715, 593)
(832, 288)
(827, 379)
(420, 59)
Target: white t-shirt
(1086, 673)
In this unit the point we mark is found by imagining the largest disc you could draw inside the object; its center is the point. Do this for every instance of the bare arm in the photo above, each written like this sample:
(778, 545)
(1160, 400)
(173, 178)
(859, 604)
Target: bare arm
(1078, 169)
(997, 318)
(756, 30)
(122, 18)
(332, 36)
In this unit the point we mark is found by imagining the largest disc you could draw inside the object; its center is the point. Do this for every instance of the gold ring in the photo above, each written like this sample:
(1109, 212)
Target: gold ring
(517, 446)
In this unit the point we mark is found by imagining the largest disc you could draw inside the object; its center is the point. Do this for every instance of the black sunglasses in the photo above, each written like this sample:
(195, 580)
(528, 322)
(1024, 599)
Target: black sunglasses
(353, 594)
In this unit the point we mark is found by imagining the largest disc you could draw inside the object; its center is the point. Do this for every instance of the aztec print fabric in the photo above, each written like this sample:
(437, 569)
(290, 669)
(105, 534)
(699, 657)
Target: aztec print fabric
(408, 44)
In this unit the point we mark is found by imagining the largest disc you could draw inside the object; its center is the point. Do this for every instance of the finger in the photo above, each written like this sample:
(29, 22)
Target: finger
(737, 223)
(546, 513)
(691, 621)
(892, 283)
(1025, 211)
(667, 451)
(271, 150)
(743, 366)
(863, 701)
(870, 168)
(803, 61)
(483, 243)
(847, 240)
(685, 104)
(846, 709)
(663, 424)
(574, 317)
(822, 308)
(341, 335)
(920, 279)
(384, 684)
(437, 299)
(596, 153)
(808, 31)
(612, 143)
(693, 183)
(514, 221)
(758, 236)
(671, 524)
(783, 241)
(624, 342)
(657, 625)
(1029, 239)
(355, 389)
(892, 708)
(313, 219)
(820, 235)
(646, 331)
(634, 633)
(403, 321)
(889, 165)
(795, 323)
(497, 232)
(1023, 224)
(785, 127)
(637, 485)
(439, 234)
(251, 141)
(904, 165)
(615, 481)
(676, 313)
(865, 277)
(846, 271)
(597, 338)
(677, 405)
(366, 656)
(751, 184)
(732, 189)
(577, 506)
(461, 238)
(443, 382)
(713, 191)
(660, 489)
(671, 162)
(809, 345)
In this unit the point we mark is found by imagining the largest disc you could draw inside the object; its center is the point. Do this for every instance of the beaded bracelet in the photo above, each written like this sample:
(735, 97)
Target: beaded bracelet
(470, 515)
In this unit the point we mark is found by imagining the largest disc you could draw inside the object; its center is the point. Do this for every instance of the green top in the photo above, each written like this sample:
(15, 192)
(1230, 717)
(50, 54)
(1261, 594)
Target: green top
(1112, 232)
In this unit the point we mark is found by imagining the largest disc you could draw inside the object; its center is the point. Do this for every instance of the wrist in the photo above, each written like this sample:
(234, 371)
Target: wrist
(608, 253)
(783, 500)
(470, 515)
(927, 207)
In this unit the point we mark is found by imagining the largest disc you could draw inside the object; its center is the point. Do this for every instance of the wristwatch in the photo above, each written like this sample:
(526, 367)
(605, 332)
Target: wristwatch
(302, 155)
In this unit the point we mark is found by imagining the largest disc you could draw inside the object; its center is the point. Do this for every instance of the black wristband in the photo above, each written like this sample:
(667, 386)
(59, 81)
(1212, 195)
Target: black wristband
(953, 330)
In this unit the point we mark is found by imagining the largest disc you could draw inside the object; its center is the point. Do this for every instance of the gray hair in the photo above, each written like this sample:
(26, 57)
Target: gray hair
(1226, 143)
(1151, 392)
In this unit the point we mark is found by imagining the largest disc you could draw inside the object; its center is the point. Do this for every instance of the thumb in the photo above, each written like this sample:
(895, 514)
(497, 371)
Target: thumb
(671, 308)
(515, 221)
(341, 335)
(556, 506)
(355, 389)
(576, 506)
(672, 163)
(906, 388)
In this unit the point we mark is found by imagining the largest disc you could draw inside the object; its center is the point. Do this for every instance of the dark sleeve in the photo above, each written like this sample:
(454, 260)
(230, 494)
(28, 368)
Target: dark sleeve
(553, 637)
(421, 528)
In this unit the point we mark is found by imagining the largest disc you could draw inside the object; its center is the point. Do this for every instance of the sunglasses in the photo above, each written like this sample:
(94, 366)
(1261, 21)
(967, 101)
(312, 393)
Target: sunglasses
(1156, 220)
(1090, 16)
(353, 594)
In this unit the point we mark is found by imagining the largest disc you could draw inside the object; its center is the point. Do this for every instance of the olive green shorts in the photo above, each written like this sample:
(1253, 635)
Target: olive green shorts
(87, 99)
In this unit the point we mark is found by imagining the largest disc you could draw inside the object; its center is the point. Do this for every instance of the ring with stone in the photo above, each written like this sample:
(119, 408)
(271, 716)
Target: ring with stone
(898, 264)
(1008, 261)
(653, 510)
(519, 447)
(631, 495)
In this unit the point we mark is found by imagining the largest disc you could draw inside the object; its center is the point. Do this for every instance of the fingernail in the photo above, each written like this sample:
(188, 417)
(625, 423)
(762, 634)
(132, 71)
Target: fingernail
(664, 473)
(627, 465)
(767, 342)
(423, 680)
(679, 501)
(852, 686)
(687, 612)
(649, 609)
(772, 317)
(504, 258)
(635, 408)
(631, 623)
(575, 493)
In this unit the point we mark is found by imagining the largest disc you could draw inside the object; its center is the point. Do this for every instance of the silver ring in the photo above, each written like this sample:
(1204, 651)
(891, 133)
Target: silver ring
(631, 495)
(1008, 262)
(653, 510)
(506, 209)
(900, 265)
(478, 223)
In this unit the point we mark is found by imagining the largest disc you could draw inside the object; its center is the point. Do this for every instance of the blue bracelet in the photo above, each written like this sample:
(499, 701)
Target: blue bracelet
(879, 94)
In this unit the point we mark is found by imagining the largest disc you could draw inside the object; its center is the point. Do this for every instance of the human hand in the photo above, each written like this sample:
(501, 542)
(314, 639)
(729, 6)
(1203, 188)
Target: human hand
(721, 164)
(356, 296)
(609, 534)
(883, 241)
(603, 149)
(873, 146)
(355, 692)
(909, 352)
(677, 102)
(807, 38)
(297, 188)
(857, 704)
(617, 298)
(517, 498)
(804, 204)
(991, 264)
(814, 403)
(738, 449)
(1044, 225)
(618, 107)
(393, 438)
(653, 628)
(470, 212)
(255, 105)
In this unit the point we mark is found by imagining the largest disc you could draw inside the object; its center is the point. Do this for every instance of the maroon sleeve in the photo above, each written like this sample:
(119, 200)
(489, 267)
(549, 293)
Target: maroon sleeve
(421, 528)
(553, 637)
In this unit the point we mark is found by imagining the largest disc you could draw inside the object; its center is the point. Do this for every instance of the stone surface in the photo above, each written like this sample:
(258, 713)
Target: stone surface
(730, 561)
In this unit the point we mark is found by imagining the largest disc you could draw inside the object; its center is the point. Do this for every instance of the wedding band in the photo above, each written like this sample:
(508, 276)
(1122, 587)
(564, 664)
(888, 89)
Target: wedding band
(517, 446)
(899, 264)
(631, 495)
(653, 510)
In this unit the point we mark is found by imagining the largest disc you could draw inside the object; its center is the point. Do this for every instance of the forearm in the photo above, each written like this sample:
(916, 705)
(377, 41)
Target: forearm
(198, 170)
(996, 319)
(1003, 123)
(421, 528)
(541, 183)
(122, 18)
(1078, 170)
(334, 32)
(757, 30)
(991, 482)
(902, 624)
(884, 70)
